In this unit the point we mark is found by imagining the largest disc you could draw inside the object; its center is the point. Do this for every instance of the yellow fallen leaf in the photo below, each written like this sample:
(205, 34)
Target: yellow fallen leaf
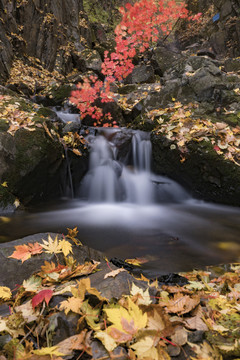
(5, 293)
(66, 247)
(106, 339)
(77, 152)
(143, 297)
(144, 348)
(53, 350)
(52, 246)
(16, 203)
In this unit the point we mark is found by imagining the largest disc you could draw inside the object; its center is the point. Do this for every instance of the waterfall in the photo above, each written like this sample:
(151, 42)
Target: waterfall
(128, 180)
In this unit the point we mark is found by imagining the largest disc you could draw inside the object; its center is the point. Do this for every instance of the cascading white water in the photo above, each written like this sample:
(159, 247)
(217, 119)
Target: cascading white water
(111, 180)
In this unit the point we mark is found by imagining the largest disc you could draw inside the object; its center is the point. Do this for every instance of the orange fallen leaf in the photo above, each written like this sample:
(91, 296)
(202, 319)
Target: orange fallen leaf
(24, 252)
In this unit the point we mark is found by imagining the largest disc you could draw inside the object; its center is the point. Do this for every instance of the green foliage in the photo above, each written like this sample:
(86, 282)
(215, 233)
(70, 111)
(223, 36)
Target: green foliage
(104, 12)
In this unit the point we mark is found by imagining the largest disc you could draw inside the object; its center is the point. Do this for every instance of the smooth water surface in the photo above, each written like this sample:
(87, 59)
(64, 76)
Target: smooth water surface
(173, 237)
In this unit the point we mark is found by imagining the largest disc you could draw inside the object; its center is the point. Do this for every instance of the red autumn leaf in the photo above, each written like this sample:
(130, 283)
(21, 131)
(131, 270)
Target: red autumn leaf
(216, 148)
(24, 252)
(42, 295)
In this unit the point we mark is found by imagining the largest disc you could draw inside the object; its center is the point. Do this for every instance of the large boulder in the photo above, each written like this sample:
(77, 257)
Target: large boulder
(30, 151)
(14, 271)
(203, 172)
(30, 161)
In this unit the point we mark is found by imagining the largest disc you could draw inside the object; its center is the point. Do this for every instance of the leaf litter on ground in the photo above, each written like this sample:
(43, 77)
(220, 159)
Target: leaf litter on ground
(144, 326)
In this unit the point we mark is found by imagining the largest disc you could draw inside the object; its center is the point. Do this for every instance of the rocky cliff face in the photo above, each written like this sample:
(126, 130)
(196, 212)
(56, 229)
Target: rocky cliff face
(54, 31)
(219, 27)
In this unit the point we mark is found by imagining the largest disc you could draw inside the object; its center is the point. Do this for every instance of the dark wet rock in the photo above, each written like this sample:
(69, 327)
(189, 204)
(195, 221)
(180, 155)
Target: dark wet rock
(141, 74)
(232, 65)
(14, 271)
(63, 326)
(163, 59)
(196, 336)
(30, 162)
(172, 279)
(204, 173)
(91, 60)
(114, 287)
(4, 310)
(99, 352)
(50, 31)
(121, 264)
(221, 35)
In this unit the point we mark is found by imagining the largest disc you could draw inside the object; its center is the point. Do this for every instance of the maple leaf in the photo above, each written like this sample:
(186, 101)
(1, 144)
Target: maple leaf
(125, 322)
(145, 348)
(72, 234)
(158, 320)
(75, 342)
(71, 304)
(181, 304)
(180, 337)
(195, 322)
(142, 297)
(5, 293)
(32, 284)
(41, 296)
(66, 247)
(24, 252)
(52, 246)
(90, 315)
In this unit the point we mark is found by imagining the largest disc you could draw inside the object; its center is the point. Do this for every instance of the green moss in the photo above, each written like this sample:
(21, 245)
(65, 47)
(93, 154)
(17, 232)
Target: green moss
(60, 93)
(4, 125)
(140, 123)
(232, 119)
(98, 14)
(6, 198)
(46, 112)
(126, 89)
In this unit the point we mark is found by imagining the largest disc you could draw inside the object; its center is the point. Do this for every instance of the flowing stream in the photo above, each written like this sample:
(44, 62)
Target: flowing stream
(126, 211)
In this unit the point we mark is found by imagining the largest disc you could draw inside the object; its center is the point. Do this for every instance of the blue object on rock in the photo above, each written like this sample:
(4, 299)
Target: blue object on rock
(216, 17)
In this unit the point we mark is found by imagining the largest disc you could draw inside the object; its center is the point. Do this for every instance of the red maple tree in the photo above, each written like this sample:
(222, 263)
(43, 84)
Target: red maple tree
(142, 24)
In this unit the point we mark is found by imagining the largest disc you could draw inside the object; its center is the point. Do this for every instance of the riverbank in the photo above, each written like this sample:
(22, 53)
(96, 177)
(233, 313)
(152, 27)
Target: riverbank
(70, 297)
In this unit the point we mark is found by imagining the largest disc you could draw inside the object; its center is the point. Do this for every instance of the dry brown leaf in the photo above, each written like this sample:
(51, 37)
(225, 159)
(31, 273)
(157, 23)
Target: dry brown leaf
(196, 322)
(114, 273)
(180, 337)
(181, 304)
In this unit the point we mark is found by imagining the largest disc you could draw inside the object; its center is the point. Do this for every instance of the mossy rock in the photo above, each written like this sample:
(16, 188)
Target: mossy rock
(4, 125)
(46, 112)
(6, 198)
(140, 123)
(58, 94)
(30, 161)
(127, 89)
(200, 170)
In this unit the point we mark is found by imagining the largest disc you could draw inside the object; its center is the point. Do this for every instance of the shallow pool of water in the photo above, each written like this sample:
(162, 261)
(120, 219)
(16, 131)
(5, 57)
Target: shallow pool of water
(173, 237)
